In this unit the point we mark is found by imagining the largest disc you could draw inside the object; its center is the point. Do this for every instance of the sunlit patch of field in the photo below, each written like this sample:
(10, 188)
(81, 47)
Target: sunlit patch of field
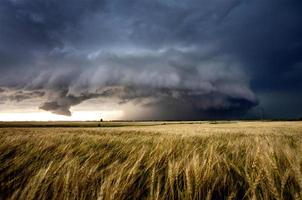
(152, 160)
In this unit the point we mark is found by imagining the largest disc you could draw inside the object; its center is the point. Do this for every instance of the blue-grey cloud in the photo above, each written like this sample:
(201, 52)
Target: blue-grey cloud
(204, 58)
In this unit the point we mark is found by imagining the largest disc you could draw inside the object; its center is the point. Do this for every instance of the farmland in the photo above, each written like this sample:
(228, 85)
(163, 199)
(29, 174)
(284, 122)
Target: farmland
(151, 160)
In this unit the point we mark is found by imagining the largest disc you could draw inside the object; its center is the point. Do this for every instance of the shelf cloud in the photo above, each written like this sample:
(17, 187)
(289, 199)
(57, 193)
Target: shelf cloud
(183, 60)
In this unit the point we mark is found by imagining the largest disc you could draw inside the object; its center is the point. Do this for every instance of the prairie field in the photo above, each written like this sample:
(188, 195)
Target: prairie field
(151, 160)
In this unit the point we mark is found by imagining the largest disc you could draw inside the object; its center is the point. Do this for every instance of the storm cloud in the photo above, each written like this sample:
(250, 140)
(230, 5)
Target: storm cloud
(181, 59)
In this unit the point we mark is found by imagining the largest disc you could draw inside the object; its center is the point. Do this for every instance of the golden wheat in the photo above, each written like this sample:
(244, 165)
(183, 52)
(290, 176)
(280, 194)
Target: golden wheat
(239, 160)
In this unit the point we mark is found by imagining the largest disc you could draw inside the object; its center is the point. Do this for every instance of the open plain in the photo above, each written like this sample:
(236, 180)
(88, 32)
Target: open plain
(151, 160)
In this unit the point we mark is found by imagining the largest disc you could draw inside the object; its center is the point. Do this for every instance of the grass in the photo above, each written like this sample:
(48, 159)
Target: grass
(54, 124)
(240, 160)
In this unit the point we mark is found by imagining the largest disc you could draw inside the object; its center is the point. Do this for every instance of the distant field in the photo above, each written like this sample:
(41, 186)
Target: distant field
(151, 160)
(97, 123)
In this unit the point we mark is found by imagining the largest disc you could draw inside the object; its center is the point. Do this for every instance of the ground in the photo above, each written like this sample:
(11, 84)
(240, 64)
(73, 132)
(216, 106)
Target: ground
(151, 160)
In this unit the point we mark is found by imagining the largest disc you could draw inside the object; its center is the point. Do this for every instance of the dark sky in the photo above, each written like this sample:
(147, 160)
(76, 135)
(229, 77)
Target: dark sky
(194, 59)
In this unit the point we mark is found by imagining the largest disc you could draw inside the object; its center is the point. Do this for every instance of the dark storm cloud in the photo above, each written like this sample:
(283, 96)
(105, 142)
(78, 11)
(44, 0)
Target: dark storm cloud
(202, 58)
(267, 37)
(63, 101)
(13, 95)
(22, 95)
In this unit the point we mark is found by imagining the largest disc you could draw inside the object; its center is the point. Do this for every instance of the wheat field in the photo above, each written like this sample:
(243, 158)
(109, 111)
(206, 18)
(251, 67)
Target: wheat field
(188, 160)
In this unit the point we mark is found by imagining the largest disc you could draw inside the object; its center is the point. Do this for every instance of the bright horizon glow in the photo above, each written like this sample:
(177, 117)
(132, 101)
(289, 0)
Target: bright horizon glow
(47, 116)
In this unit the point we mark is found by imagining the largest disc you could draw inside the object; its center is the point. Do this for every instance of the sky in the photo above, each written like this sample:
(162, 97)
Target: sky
(150, 59)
